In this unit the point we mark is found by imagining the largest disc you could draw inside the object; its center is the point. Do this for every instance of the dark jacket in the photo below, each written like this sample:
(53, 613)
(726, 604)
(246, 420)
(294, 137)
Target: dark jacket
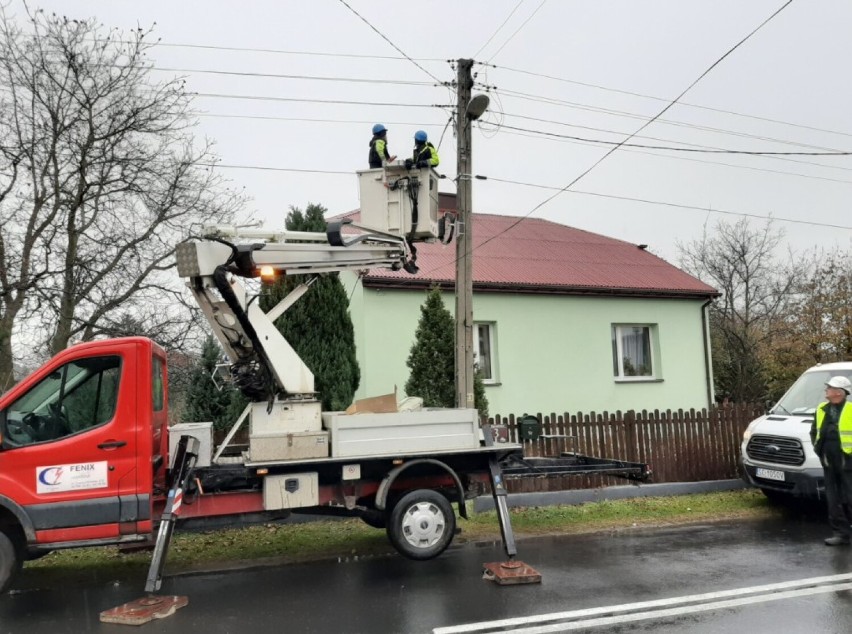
(378, 150)
(426, 153)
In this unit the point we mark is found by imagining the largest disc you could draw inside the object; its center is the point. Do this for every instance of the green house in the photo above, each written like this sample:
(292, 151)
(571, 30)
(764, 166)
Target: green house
(565, 320)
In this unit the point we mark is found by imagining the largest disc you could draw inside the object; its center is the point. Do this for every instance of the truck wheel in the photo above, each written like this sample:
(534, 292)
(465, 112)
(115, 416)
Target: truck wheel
(422, 524)
(10, 560)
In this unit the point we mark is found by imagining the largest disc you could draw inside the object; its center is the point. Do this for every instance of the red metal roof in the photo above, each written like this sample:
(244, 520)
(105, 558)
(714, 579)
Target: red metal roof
(534, 255)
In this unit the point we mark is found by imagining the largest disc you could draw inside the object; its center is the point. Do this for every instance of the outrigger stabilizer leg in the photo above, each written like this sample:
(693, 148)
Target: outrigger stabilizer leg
(510, 572)
(152, 606)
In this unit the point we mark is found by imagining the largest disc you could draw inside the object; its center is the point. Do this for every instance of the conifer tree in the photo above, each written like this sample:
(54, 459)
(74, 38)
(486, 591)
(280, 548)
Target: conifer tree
(432, 358)
(319, 326)
(204, 402)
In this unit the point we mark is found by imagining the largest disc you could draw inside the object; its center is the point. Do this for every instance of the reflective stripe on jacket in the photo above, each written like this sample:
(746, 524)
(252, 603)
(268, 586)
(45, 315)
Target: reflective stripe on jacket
(427, 153)
(844, 425)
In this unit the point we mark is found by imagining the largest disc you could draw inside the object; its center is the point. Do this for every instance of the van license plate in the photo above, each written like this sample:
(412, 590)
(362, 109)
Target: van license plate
(770, 474)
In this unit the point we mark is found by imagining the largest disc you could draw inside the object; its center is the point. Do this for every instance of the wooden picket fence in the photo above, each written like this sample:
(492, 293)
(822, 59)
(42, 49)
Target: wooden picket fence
(680, 446)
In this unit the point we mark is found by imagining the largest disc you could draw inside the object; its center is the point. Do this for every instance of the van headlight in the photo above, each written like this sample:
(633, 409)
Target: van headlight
(749, 431)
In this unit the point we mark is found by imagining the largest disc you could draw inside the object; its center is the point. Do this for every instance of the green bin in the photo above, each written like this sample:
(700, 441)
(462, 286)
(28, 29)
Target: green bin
(529, 428)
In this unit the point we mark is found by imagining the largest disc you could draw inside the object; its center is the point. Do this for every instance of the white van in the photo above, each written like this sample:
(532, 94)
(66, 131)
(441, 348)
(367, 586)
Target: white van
(777, 454)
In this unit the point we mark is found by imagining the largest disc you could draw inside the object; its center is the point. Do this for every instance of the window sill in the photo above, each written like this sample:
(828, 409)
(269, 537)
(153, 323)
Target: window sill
(492, 383)
(638, 380)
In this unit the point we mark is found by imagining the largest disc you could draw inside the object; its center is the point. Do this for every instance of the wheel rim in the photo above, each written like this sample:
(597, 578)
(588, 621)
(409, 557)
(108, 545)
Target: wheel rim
(423, 525)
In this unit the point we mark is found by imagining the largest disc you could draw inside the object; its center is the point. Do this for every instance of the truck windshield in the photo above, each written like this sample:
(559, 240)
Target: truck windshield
(807, 392)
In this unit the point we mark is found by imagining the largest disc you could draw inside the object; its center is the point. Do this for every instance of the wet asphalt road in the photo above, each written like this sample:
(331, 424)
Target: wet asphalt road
(390, 594)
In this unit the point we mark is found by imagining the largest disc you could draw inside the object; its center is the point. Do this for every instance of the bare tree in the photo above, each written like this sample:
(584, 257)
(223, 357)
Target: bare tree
(101, 177)
(758, 293)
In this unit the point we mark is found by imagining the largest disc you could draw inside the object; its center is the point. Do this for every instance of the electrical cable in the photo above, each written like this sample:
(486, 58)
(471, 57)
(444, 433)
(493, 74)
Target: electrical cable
(686, 125)
(645, 125)
(359, 80)
(640, 136)
(382, 35)
(532, 15)
(245, 49)
(517, 6)
(327, 101)
(667, 204)
(680, 103)
(695, 160)
(672, 148)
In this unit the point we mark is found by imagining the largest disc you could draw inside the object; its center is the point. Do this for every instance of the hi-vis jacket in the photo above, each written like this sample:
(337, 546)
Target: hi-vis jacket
(378, 152)
(428, 153)
(844, 425)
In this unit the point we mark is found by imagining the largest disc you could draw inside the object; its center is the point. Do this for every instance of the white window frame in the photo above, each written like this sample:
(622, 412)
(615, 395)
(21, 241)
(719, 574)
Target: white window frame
(477, 353)
(618, 352)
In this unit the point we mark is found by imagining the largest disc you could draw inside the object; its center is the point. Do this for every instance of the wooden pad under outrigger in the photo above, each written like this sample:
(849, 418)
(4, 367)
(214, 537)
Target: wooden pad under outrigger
(143, 610)
(510, 573)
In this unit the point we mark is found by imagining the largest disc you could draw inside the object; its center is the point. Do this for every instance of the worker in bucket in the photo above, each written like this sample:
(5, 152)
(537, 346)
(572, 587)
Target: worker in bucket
(831, 433)
(379, 147)
(425, 154)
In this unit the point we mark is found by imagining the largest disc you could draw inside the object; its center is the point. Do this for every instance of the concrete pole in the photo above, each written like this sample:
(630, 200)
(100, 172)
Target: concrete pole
(464, 242)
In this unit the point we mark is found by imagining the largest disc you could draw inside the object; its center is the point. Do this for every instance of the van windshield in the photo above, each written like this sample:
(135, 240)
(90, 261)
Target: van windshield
(807, 392)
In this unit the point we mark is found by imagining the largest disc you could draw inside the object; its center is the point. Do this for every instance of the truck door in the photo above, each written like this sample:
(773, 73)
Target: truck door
(69, 447)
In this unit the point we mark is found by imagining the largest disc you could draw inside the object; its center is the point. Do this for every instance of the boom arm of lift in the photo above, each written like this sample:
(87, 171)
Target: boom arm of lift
(263, 364)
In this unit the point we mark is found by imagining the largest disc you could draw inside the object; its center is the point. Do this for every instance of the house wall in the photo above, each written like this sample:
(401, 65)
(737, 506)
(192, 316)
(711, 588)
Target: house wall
(553, 353)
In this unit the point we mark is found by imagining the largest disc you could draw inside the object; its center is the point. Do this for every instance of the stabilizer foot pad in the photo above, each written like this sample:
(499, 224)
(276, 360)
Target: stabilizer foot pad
(508, 573)
(143, 610)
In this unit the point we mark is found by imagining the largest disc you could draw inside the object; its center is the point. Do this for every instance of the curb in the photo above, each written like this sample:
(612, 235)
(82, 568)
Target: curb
(581, 496)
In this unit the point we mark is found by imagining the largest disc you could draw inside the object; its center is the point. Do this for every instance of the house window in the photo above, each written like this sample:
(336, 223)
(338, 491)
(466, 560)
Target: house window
(632, 356)
(484, 358)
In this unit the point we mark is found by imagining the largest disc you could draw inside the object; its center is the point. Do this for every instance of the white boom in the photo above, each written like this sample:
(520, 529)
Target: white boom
(264, 363)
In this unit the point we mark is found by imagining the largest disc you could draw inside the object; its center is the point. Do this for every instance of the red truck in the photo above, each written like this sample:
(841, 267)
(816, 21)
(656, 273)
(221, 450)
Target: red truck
(84, 458)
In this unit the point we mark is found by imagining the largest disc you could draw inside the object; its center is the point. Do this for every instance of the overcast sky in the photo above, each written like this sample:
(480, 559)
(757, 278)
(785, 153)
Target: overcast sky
(573, 61)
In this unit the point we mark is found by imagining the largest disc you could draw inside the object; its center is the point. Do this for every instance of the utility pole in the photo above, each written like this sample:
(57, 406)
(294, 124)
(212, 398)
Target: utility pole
(464, 242)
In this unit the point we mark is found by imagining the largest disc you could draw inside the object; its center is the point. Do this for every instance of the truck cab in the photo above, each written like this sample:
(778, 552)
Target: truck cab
(777, 453)
(84, 448)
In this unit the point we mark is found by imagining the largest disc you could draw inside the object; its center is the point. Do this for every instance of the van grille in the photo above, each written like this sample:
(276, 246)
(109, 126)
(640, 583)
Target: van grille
(776, 449)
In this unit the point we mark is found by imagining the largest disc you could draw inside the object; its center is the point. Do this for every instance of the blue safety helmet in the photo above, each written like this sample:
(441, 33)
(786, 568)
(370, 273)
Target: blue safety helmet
(379, 128)
(420, 136)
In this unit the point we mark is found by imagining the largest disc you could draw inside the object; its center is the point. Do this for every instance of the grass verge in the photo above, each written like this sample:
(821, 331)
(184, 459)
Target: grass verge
(290, 543)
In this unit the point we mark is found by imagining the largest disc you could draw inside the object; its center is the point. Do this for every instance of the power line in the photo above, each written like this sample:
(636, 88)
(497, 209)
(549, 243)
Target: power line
(532, 15)
(682, 124)
(668, 204)
(671, 148)
(645, 125)
(213, 115)
(245, 49)
(328, 101)
(696, 160)
(556, 188)
(273, 169)
(382, 35)
(680, 103)
(621, 113)
(643, 136)
(358, 80)
(517, 6)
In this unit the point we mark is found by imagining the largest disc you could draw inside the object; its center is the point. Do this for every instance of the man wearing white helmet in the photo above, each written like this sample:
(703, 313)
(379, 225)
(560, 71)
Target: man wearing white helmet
(831, 434)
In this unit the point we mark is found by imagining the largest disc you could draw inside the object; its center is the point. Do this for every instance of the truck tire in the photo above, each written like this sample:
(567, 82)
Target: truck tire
(10, 560)
(422, 524)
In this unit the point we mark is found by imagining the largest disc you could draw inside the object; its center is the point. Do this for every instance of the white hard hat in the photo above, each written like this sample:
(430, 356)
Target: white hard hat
(840, 382)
